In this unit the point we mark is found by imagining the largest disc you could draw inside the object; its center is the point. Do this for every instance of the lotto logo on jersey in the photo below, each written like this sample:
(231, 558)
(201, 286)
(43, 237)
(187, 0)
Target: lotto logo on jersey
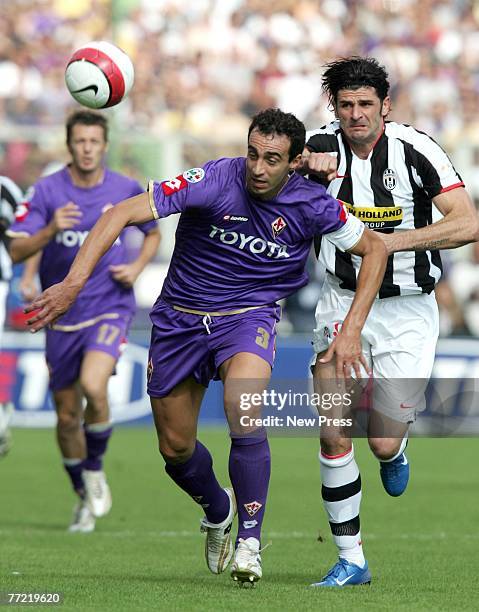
(173, 185)
(278, 226)
(253, 507)
(22, 211)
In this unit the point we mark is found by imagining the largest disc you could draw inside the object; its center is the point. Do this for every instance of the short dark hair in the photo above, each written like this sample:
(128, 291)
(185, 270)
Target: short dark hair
(352, 73)
(274, 121)
(86, 117)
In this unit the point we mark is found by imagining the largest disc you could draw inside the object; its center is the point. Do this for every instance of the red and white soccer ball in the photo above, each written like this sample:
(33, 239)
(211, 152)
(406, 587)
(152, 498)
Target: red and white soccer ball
(99, 75)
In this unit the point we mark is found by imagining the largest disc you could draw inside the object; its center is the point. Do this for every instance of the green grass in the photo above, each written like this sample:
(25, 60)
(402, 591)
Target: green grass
(148, 553)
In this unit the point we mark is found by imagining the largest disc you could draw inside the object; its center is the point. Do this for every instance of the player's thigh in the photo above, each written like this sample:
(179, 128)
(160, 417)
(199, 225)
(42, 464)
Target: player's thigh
(403, 357)
(245, 377)
(176, 418)
(96, 368)
(103, 345)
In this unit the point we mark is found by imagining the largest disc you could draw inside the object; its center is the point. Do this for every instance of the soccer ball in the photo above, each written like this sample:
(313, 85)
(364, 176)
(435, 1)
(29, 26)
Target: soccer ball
(99, 75)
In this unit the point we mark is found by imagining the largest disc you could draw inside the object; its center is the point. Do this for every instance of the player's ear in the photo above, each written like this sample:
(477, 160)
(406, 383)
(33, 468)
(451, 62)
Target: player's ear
(295, 162)
(386, 106)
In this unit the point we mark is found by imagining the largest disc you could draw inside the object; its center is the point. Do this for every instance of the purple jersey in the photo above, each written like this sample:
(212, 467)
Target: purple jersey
(233, 250)
(101, 294)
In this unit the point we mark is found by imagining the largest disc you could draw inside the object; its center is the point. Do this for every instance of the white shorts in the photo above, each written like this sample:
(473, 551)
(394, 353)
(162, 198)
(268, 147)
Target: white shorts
(399, 342)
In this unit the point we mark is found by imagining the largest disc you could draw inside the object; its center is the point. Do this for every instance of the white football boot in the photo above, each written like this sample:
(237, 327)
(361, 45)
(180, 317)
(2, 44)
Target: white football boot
(218, 545)
(246, 567)
(98, 495)
(83, 520)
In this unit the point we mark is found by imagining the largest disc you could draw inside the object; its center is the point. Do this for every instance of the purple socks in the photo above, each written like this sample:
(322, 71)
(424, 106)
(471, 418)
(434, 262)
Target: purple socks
(196, 477)
(250, 470)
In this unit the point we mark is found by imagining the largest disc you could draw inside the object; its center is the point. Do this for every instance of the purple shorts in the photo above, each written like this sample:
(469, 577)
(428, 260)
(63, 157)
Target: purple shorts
(65, 350)
(182, 347)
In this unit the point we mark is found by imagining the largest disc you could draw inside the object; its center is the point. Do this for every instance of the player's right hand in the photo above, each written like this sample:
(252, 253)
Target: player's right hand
(66, 217)
(50, 304)
(324, 165)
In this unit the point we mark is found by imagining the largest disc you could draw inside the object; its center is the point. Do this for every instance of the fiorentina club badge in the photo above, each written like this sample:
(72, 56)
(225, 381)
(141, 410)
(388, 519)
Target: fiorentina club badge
(278, 226)
(253, 507)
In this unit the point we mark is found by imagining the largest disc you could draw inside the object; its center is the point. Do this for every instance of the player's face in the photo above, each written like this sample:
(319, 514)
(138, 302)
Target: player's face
(267, 164)
(361, 114)
(87, 147)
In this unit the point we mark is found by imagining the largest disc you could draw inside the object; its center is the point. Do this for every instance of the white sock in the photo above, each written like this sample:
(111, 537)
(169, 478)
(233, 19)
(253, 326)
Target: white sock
(341, 492)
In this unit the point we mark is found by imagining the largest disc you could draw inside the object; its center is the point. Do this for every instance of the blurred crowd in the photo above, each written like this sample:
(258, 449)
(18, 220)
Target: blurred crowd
(202, 68)
(210, 62)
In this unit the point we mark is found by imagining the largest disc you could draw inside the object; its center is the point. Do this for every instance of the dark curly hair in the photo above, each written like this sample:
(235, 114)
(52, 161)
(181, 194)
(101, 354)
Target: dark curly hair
(86, 117)
(274, 121)
(353, 73)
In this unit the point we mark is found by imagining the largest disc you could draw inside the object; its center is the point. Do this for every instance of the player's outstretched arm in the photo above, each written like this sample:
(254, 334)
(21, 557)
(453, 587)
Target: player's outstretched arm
(346, 347)
(459, 226)
(58, 298)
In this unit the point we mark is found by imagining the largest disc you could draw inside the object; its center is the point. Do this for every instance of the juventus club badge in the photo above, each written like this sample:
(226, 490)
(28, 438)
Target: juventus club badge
(278, 226)
(389, 179)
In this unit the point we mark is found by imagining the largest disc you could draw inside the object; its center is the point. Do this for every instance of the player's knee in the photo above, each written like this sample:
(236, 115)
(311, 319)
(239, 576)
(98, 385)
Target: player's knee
(332, 446)
(68, 421)
(384, 448)
(175, 448)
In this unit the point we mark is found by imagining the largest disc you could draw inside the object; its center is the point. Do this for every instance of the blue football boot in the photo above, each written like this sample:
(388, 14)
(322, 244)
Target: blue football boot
(395, 475)
(345, 574)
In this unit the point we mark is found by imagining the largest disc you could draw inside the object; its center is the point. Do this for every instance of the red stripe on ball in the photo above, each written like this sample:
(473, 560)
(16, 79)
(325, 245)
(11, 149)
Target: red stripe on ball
(113, 74)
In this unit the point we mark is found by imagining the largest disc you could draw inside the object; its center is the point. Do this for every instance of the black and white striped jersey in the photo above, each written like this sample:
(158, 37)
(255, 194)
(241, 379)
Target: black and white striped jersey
(390, 191)
(10, 197)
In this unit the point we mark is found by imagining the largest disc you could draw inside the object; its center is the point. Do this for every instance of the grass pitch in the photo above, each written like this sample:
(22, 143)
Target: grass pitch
(147, 553)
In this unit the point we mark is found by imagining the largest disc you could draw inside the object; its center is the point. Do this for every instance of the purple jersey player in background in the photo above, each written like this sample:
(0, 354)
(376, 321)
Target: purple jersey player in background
(82, 347)
(242, 242)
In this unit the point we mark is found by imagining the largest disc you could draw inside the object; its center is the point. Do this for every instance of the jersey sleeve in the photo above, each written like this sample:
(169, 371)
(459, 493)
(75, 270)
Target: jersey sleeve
(321, 141)
(434, 170)
(347, 236)
(331, 218)
(149, 226)
(31, 215)
(195, 188)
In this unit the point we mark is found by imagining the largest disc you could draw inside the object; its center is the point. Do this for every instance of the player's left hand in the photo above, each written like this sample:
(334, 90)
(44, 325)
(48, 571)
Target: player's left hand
(346, 347)
(50, 304)
(126, 274)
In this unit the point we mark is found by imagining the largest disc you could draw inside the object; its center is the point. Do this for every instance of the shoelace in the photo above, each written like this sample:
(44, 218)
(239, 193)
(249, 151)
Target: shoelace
(97, 486)
(336, 570)
(244, 550)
